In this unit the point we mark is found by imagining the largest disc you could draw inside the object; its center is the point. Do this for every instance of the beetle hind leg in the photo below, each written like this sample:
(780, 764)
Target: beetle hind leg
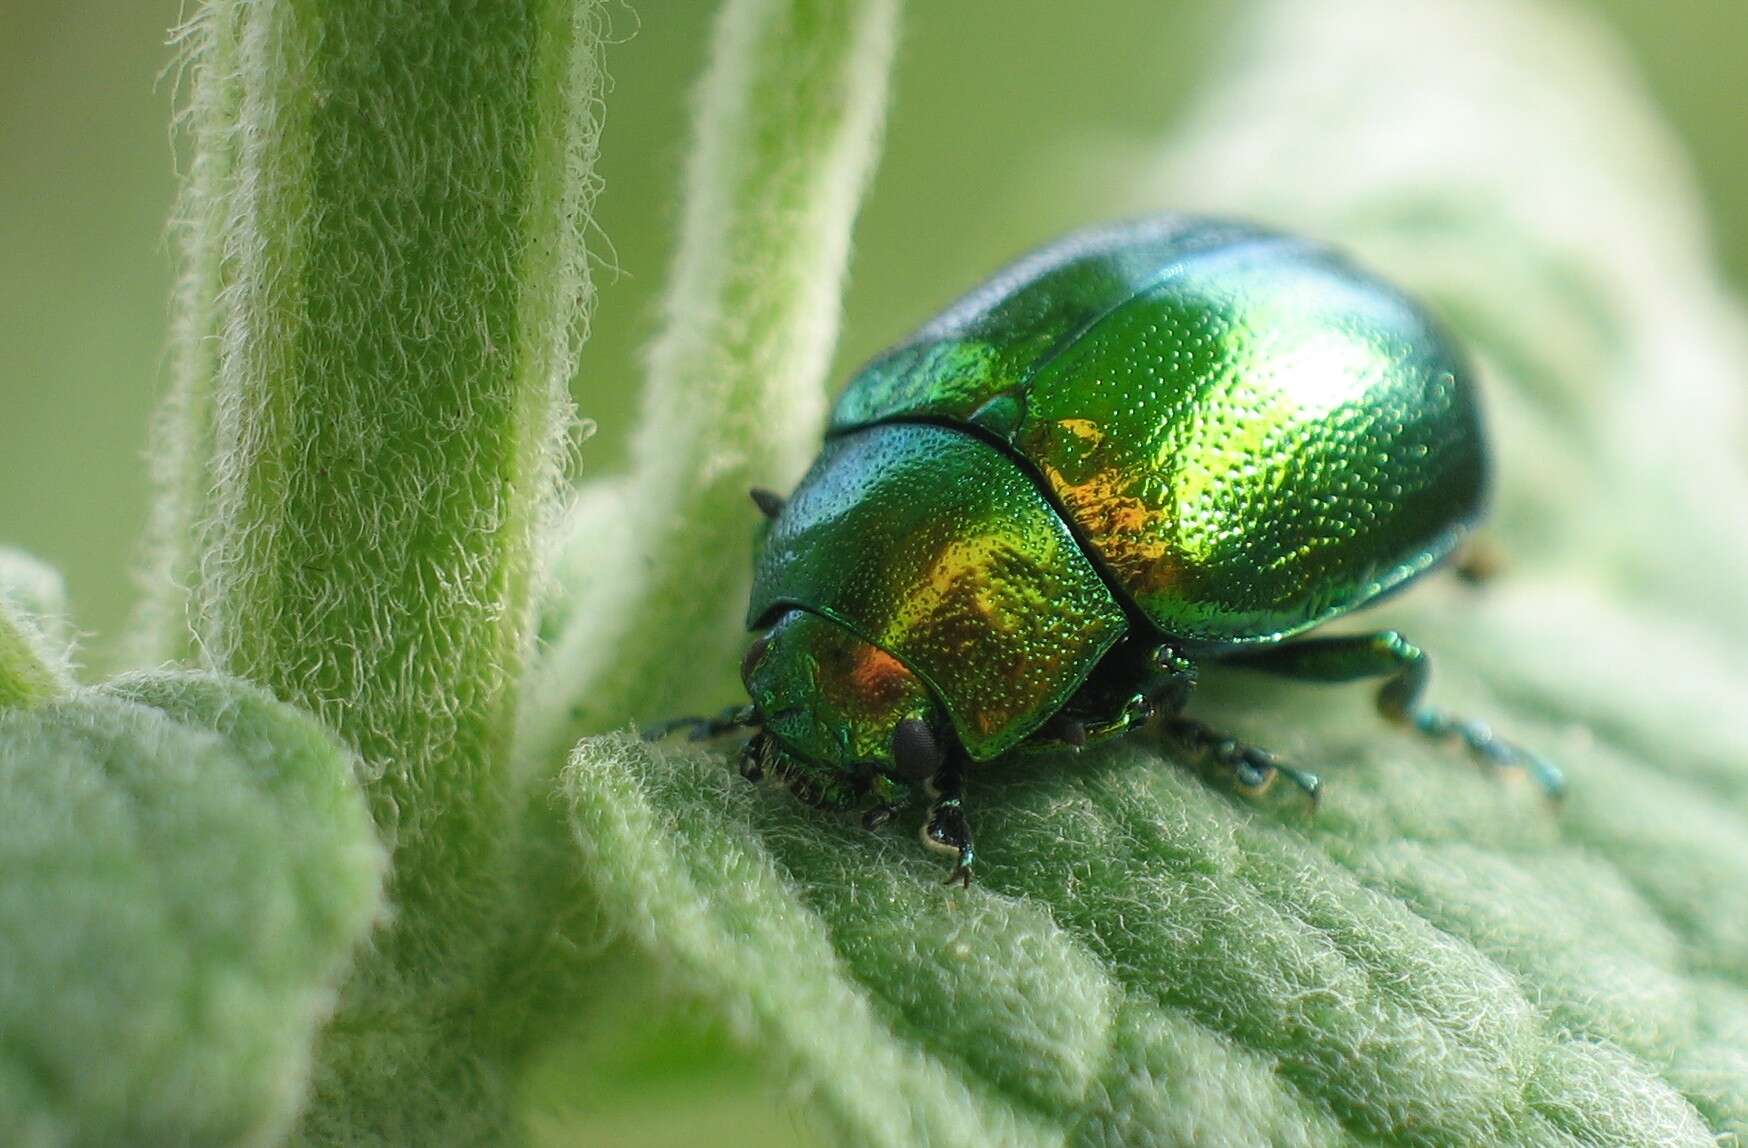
(1405, 669)
(1486, 747)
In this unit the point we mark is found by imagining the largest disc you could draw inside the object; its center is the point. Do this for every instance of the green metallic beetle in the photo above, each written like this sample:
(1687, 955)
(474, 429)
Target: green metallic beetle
(1142, 448)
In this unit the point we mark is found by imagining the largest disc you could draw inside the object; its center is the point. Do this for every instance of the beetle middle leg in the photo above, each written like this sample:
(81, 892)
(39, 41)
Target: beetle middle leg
(947, 830)
(1253, 769)
(1100, 713)
(1405, 669)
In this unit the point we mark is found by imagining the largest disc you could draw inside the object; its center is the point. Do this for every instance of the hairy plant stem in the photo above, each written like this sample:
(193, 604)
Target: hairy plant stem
(383, 294)
(786, 132)
(182, 429)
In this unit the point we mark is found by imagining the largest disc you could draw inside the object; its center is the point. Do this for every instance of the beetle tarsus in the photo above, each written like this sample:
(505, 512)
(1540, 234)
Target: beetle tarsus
(947, 830)
(1309, 783)
(752, 758)
(1489, 749)
(1253, 769)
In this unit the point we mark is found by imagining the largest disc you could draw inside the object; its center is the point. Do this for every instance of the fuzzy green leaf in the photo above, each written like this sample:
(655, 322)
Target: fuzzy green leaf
(189, 866)
(1437, 956)
(35, 640)
(33, 590)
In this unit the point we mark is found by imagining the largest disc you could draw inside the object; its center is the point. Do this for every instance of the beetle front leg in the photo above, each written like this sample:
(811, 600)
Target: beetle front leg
(1405, 668)
(947, 830)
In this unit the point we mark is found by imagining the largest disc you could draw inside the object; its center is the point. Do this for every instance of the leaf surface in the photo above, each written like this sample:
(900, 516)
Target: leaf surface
(188, 868)
(1438, 956)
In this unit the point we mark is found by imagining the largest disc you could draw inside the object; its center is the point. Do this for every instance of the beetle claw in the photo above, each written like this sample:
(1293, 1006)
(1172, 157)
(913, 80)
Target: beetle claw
(752, 758)
(947, 830)
(1309, 783)
(1493, 751)
(1253, 769)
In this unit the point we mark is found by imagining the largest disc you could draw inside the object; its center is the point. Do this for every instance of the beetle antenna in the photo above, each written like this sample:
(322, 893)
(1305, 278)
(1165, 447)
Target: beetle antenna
(769, 502)
(704, 728)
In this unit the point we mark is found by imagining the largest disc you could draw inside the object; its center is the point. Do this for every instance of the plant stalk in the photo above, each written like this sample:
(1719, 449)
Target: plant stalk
(384, 291)
(786, 131)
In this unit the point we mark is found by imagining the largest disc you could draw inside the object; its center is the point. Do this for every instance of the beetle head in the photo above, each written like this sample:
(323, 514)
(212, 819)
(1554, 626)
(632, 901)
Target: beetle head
(844, 722)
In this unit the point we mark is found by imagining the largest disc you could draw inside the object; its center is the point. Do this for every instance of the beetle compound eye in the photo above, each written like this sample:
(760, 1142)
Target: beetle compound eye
(915, 752)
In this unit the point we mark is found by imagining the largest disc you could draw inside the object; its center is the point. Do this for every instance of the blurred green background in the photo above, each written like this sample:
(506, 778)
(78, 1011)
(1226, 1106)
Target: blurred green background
(991, 102)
